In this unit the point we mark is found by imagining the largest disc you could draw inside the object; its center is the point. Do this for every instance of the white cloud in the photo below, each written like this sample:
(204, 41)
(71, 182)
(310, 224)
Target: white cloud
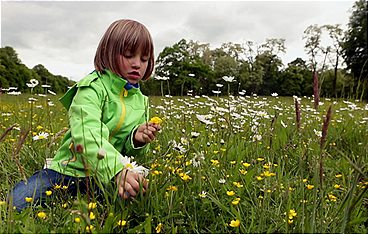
(63, 36)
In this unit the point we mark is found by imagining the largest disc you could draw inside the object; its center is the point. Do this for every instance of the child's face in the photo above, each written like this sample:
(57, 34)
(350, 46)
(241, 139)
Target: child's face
(133, 66)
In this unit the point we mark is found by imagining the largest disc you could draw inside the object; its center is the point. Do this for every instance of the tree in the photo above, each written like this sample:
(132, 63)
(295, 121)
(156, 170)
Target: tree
(355, 45)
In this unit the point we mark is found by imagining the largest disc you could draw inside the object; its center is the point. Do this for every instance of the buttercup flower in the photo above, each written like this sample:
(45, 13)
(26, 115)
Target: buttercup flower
(235, 223)
(41, 215)
(155, 120)
(122, 223)
(28, 199)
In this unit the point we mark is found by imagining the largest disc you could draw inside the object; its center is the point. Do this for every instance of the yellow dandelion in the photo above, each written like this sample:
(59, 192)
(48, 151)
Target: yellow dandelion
(235, 223)
(41, 215)
(310, 187)
(156, 120)
(122, 223)
(28, 199)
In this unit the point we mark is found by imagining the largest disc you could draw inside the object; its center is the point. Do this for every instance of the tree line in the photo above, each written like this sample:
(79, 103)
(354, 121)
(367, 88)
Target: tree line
(190, 67)
(15, 75)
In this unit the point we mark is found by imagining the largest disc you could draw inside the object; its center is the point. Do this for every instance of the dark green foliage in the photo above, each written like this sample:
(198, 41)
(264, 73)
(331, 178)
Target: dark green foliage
(13, 73)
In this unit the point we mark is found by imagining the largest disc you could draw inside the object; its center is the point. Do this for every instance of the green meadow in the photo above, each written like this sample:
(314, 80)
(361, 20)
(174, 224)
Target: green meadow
(230, 164)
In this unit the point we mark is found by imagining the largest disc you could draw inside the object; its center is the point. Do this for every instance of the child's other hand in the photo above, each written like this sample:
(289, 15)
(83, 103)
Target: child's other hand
(130, 183)
(146, 133)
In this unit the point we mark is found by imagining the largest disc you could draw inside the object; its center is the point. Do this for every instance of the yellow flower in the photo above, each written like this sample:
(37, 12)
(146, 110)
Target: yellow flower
(269, 174)
(305, 180)
(185, 177)
(48, 193)
(77, 220)
(246, 164)
(92, 216)
(122, 223)
(57, 186)
(230, 193)
(92, 205)
(259, 178)
(332, 197)
(89, 228)
(65, 205)
(233, 162)
(292, 214)
(172, 188)
(242, 171)
(290, 221)
(235, 223)
(159, 227)
(236, 201)
(238, 184)
(28, 199)
(2, 203)
(337, 186)
(260, 159)
(310, 187)
(41, 215)
(338, 176)
(215, 162)
(155, 120)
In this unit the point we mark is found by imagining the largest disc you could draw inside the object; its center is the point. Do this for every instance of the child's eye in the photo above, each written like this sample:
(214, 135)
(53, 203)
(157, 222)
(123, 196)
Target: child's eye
(144, 59)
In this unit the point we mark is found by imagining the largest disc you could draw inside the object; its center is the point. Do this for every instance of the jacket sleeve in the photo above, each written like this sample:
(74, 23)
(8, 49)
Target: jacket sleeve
(98, 156)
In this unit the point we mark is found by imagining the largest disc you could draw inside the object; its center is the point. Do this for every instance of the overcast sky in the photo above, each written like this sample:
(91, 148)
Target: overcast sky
(63, 35)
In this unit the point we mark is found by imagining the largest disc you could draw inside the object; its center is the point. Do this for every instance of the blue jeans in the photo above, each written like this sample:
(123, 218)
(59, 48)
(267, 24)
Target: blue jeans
(41, 181)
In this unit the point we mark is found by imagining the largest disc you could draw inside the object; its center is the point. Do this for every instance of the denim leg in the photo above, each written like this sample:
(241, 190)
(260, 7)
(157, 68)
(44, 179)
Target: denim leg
(35, 187)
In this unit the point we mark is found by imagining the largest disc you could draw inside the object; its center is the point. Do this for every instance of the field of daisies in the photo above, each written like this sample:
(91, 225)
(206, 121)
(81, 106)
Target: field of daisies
(227, 164)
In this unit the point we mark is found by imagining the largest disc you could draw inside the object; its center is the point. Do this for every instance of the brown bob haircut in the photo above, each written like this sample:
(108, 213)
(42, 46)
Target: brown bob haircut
(121, 37)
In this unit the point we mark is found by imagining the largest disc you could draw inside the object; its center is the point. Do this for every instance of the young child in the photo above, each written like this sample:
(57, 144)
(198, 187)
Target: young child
(108, 120)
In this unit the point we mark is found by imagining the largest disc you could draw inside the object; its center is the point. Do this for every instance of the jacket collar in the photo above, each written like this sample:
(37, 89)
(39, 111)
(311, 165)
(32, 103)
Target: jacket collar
(119, 83)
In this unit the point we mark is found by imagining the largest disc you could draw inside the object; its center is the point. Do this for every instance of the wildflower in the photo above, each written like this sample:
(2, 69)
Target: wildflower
(195, 134)
(184, 176)
(203, 194)
(132, 166)
(41, 215)
(310, 187)
(215, 162)
(2, 203)
(155, 120)
(159, 227)
(292, 214)
(338, 176)
(230, 193)
(33, 83)
(205, 119)
(77, 220)
(57, 186)
(228, 78)
(48, 193)
(274, 94)
(40, 136)
(235, 223)
(305, 180)
(246, 165)
(122, 223)
(269, 174)
(65, 187)
(236, 201)
(222, 181)
(290, 221)
(259, 178)
(89, 228)
(28, 199)
(242, 171)
(92, 216)
(172, 188)
(260, 159)
(92, 205)
(332, 198)
(337, 186)
(65, 205)
(238, 184)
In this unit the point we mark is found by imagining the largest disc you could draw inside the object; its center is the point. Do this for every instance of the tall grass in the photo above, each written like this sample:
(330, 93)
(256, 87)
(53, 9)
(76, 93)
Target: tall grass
(266, 164)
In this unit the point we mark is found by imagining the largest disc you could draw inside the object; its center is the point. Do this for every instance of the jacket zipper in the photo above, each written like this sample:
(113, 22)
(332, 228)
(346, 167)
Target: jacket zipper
(123, 93)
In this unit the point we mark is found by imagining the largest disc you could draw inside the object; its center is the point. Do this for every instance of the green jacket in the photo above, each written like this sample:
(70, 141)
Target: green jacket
(102, 116)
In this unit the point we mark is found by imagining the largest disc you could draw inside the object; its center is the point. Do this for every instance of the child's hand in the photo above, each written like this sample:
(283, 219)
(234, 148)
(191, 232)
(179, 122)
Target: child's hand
(146, 133)
(130, 183)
